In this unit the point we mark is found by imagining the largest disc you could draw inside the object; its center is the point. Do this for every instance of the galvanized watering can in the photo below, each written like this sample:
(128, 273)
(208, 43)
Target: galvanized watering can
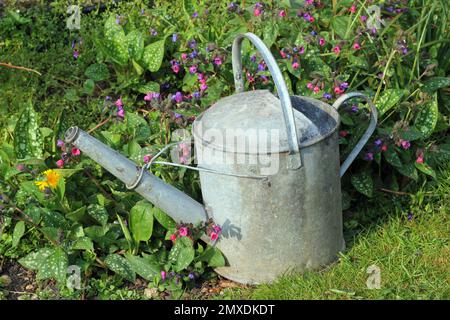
(275, 218)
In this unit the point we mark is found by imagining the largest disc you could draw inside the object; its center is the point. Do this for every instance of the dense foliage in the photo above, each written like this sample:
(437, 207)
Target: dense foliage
(134, 73)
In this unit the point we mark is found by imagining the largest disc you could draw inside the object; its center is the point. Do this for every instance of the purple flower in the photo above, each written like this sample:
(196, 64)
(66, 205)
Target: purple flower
(193, 54)
(405, 144)
(142, 11)
(73, 44)
(368, 156)
(177, 115)
(217, 61)
(354, 108)
(191, 276)
(75, 54)
(153, 32)
(302, 50)
(306, 16)
(253, 58)
(196, 95)
(410, 216)
(178, 97)
(195, 15)
(343, 85)
(192, 44)
(60, 143)
(107, 98)
(174, 37)
(313, 33)
(327, 95)
(261, 67)
(378, 142)
(232, 6)
(117, 19)
(193, 69)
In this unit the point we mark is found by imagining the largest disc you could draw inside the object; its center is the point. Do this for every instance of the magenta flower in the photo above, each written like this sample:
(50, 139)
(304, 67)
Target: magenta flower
(217, 229)
(337, 50)
(257, 12)
(183, 231)
(184, 56)
(217, 61)
(282, 54)
(311, 19)
(147, 158)
(60, 163)
(295, 65)
(363, 18)
(420, 158)
(338, 90)
(193, 69)
(322, 42)
(178, 97)
(163, 275)
(356, 46)
(310, 86)
(353, 9)
(282, 13)
(21, 167)
(119, 103)
(316, 89)
(203, 87)
(214, 236)
(76, 152)
(368, 156)
(405, 144)
(121, 113)
(176, 68)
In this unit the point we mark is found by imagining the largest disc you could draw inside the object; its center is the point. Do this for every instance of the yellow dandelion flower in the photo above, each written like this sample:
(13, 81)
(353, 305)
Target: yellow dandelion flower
(52, 178)
(42, 184)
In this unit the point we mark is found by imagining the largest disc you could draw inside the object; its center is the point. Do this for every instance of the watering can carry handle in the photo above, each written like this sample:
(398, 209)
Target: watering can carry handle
(294, 159)
(366, 135)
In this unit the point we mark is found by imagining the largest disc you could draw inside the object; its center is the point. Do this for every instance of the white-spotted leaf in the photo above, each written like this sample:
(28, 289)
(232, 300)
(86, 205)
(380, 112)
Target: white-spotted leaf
(153, 55)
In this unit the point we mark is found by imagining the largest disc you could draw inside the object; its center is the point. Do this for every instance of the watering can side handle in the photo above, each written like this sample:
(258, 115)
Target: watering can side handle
(366, 135)
(295, 161)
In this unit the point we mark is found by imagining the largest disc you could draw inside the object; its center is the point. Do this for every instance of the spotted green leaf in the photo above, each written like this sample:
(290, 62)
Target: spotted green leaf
(97, 72)
(143, 267)
(121, 266)
(98, 213)
(213, 257)
(83, 243)
(409, 171)
(434, 84)
(392, 157)
(427, 118)
(153, 55)
(19, 230)
(166, 221)
(141, 221)
(363, 183)
(182, 253)
(135, 44)
(423, 167)
(115, 41)
(35, 259)
(27, 136)
(148, 87)
(388, 99)
(54, 266)
(270, 34)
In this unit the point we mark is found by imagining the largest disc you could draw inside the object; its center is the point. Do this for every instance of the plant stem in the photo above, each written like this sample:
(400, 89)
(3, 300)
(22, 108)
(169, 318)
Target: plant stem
(9, 65)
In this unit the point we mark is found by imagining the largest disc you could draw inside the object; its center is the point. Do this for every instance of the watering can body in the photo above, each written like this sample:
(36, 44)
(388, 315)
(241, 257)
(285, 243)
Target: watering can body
(276, 193)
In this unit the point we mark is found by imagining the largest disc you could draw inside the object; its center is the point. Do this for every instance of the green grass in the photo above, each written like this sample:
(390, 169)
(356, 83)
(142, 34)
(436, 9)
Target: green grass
(413, 256)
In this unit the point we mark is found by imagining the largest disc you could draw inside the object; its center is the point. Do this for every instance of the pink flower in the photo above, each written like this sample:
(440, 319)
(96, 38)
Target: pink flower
(316, 89)
(217, 229)
(420, 158)
(322, 42)
(217, 61)
(183, 56)
(193, 69)
(257, 12)
(183, 231)
(203, 87)
(282, 54)
(338, 90)
(163, 275)
(337, 49)
(282, 13)
(310, 86)
(343, 133)
(173, 237)
(356, 46)
(60, 163)
(183, 160)
(121, 113)
(176, 68)
(384, 147)
(363, 18)
(147, 158)
(309, 2)
(405, 144)
(148, 96)
(353, 9)
(214, 236)
(119, 102)
(311, 19)
(295, 65)
(76, 152)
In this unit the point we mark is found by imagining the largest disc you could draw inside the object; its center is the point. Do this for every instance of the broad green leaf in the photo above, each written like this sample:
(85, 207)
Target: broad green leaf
(213, 257)
(83, 243)
(433, 84)
(425, 169)
(427, 118)
(408, 170)
(141, 221)
(89, 86)
(27, 136)
(411, 134)
(19, 230)
(137, 67)
(388, 99)
(166, 221)
(270, 34)
(142, 266)
(98, 213)
(363, 183)
(115, 41)
(97, 72)
(153, 55)
(34, 213)
(392, 157)
(181, 255)
(54, 219)
(35, 259)
(54, 266)
(339, 25)
(148, 87)
(135, 43)
(121, 266)
(77, 215)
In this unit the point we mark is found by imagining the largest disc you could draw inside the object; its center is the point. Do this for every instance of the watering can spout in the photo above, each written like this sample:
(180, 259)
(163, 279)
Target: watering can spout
(172, 201)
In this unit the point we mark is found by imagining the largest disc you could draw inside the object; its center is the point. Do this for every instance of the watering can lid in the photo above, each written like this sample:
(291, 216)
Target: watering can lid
(258, 110)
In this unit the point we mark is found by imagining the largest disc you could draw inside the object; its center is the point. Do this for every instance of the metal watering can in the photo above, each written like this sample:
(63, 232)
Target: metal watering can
(273, 221)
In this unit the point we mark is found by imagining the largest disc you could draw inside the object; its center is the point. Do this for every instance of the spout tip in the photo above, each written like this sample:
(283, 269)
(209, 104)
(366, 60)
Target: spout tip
(71, 134)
